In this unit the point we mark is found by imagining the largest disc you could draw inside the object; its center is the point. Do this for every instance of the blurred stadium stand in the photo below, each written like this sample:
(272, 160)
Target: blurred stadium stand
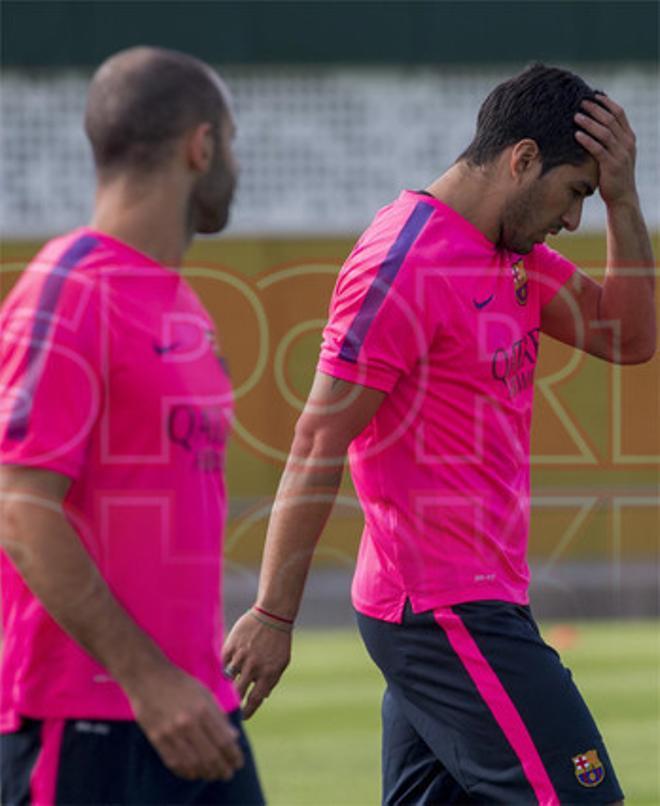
(340, 105)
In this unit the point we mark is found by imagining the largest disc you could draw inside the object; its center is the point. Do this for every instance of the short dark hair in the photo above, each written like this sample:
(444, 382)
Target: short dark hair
(539, 103)
(141, 100)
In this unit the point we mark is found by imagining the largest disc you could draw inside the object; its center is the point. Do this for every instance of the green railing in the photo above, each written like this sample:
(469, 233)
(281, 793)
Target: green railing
(52, 33)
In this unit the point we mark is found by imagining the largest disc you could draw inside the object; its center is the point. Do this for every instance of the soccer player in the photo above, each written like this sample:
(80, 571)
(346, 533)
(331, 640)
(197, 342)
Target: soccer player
(425, 378)
(115, 413)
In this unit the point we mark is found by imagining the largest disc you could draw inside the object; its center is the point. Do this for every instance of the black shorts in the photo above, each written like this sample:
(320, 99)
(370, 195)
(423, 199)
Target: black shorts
(77, 761)
(478, 709)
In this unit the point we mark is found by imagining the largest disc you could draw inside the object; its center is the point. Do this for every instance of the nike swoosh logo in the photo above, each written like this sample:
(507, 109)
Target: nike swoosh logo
(161, 349)
(479, 305)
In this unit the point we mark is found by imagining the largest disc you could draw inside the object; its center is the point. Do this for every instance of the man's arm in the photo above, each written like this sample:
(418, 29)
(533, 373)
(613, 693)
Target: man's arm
(177, 713)
(615, 320)
(335, 413)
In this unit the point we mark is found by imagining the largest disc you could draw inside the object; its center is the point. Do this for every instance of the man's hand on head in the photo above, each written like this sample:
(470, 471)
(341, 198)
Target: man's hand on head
(606, 134)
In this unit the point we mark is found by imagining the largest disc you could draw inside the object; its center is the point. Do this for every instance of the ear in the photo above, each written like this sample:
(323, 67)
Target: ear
(525, 159)
(200, 147)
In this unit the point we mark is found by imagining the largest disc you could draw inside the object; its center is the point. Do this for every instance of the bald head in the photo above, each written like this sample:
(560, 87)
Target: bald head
(142, 100)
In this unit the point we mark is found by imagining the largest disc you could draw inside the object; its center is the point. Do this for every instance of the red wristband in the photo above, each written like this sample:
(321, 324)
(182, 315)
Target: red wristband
(272, 615)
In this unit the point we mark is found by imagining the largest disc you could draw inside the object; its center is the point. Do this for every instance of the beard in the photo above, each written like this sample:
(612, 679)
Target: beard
(521, 220)
(208, 211)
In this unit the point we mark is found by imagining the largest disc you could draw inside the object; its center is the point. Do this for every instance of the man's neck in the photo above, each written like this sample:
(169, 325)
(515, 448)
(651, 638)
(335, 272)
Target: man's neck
(149, 218)
(471, 193)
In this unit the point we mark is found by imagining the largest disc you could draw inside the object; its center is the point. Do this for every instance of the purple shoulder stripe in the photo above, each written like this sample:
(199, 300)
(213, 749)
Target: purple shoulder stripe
(383, 280)
(43, 318)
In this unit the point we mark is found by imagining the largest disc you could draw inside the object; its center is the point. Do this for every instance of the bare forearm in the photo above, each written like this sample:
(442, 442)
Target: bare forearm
(336, 413)
(304, 501)
(627, 297)
(49, 556)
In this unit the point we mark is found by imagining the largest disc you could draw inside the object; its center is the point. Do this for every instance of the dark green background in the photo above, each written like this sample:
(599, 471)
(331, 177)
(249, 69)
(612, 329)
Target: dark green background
(41, 33)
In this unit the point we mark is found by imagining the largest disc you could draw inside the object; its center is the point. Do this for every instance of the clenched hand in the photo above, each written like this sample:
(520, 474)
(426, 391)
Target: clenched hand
(182, 720)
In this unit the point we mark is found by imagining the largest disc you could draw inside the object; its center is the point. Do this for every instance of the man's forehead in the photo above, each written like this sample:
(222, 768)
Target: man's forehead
(587, 172)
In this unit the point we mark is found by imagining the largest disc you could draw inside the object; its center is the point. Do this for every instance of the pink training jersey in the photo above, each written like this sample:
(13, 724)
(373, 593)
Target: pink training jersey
(109, 375)
(427, 309)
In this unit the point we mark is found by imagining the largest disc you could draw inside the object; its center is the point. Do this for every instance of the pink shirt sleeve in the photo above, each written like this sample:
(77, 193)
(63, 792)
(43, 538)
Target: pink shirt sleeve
(50, 377)
(377, 331)
(551, 271)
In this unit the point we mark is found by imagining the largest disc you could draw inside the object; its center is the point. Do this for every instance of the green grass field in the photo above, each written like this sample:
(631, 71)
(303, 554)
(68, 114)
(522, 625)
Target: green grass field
(317, 738)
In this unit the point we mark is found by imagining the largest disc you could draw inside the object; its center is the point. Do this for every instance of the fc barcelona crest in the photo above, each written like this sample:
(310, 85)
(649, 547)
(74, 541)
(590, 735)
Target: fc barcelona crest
(520, 282)
(588, 768)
